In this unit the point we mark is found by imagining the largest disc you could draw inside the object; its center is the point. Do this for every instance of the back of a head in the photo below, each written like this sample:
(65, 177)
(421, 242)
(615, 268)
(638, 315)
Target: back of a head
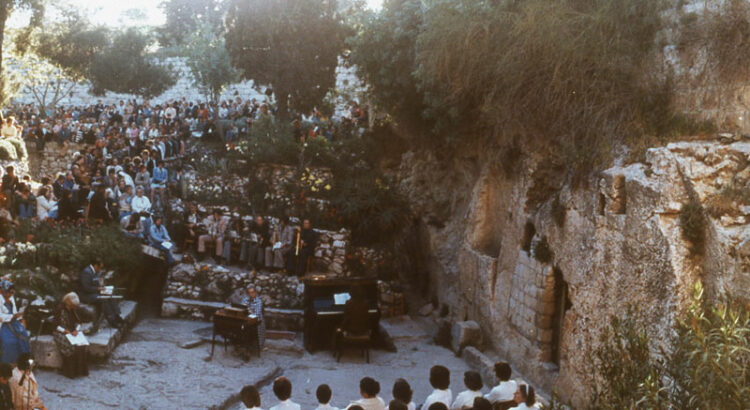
(250, 397)
(503, 371)
(323, 393)
(282, 388)
(397, 405)
(438, 405)
(355, 407)
(440, 377)
(369, 386)
(402, 391)
(528, 394)
(473, 381)
(24, 361)
(480, 403)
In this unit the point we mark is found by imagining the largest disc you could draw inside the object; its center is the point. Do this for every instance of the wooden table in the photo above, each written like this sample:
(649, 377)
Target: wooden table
(235, 326)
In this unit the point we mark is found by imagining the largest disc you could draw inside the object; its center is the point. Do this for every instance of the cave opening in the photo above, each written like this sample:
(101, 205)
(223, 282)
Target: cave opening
(562, 305)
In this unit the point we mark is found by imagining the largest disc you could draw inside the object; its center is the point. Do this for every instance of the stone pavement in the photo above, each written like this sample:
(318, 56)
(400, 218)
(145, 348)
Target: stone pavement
(150, 370)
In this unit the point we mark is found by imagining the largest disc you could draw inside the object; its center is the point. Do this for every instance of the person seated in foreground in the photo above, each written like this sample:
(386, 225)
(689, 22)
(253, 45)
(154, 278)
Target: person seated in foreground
(369, 389)
(282, 388)
(250, 398)
(525, 397)
(502, 394)
(397, 405)
(480, 403)
(68, 322)
(465, 399)
(91, 287)
(14, 339)
(23, 385)
(438, 405)
(402, 392)
(323, 394)
(440, 379)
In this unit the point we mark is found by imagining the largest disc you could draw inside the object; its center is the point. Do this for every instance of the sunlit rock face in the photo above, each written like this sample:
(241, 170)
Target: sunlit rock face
(620, 244)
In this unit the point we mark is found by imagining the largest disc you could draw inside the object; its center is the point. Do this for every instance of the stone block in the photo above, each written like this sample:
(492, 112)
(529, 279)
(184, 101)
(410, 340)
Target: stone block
(465, 334)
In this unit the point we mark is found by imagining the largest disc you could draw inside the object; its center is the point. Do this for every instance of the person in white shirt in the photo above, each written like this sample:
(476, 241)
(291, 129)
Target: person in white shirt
(465, 399)
(250, 398)
(46, 207)
(440, 379)
(282, 388)
(140, 203)
(402, 392)
(525, 397)
(369, 389)
(502, 394)
(323, 393)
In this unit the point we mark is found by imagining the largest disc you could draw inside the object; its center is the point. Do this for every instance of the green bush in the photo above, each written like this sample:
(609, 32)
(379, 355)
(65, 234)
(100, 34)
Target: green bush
(704, 368)
(693, 226)
(20, 147)
(270, 140)
(7, 151)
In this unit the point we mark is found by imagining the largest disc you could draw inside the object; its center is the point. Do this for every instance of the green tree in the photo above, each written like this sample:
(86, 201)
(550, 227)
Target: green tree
(183, 18)
(291, 45)
(384, 52)
(209, 61)
(7, 7)
(125, 66)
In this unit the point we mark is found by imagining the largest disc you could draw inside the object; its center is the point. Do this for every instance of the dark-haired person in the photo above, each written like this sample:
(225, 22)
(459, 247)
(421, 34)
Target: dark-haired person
(403, 393)
(250, 398)
(282, 388)
(369, 389)
(525, 397)
(465, 399)
(501, 395)
(397, 405)
(438, 405)
(480, 403)
(23, 385)
(323, 394)
(440, 379)
(6, 397)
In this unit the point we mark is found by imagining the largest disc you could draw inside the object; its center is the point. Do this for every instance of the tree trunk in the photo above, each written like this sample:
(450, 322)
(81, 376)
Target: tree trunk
(282, 103)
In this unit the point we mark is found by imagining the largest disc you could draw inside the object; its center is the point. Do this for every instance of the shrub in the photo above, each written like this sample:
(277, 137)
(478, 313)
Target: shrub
(705, 367)
(7, 151)
(20, 147)
(693, 226)
(542, 251)
(270, 140)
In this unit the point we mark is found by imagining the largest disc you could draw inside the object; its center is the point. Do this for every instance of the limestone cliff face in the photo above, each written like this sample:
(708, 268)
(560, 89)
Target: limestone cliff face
(620, 243)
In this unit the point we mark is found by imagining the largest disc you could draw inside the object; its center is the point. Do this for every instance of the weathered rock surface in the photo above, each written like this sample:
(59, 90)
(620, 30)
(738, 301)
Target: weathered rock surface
(620, 244)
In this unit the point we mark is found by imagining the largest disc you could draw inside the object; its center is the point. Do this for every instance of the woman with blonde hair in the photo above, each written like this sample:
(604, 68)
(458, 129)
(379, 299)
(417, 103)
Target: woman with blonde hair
(75, 357)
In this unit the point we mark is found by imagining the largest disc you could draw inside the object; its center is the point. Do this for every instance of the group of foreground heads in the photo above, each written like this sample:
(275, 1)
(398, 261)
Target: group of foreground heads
(506, 395)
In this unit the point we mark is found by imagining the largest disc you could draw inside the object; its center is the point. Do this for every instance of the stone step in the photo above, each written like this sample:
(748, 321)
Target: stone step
(101, 344)
(276, 319)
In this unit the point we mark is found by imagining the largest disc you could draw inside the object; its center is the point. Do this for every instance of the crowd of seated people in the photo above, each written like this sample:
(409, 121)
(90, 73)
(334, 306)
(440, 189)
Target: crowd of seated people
(506, 395)
(255, 243)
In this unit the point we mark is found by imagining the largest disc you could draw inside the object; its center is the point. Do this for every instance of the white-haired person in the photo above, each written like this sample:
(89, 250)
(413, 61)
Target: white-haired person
(67, 320)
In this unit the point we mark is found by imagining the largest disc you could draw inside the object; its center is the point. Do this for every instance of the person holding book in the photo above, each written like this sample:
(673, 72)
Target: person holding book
(14, 339)
(69, 338)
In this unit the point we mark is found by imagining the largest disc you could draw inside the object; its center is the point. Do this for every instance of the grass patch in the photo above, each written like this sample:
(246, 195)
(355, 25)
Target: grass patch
(727, 201)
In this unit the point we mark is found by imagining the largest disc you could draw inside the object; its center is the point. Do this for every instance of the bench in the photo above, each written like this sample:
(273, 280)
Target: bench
(277, 319)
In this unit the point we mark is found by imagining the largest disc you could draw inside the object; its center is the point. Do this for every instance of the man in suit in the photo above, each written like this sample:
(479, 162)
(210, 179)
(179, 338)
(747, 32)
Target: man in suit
(91, 286)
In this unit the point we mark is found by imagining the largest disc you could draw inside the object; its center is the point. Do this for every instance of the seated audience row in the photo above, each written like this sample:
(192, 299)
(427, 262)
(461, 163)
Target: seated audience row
(506, 395)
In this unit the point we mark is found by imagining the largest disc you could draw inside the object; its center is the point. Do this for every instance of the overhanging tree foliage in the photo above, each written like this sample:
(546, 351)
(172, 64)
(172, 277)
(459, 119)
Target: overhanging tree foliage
(292, 45)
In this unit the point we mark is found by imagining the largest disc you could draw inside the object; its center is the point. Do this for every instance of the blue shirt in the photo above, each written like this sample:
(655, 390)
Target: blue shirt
(158, 234)
(160, 175)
